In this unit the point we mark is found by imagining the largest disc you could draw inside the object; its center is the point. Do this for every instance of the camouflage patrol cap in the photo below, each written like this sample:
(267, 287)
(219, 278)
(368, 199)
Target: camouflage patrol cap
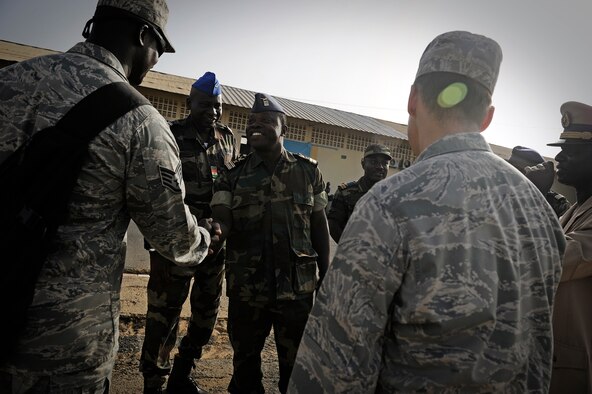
(266, 103)
(576, 119)
(460, 52)
(153, 12)
(377, 149)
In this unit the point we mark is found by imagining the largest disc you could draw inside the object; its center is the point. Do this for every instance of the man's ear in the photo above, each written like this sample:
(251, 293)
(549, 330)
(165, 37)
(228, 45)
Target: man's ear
(142, 35)
(284, 130)
(412, 101)
(488, 117)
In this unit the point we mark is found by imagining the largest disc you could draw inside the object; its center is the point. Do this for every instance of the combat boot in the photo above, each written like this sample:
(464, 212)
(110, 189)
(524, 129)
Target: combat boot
(153, 384)
(180, 381)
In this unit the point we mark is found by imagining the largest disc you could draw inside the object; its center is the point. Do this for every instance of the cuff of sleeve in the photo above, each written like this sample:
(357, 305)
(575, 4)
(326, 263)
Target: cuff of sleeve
(222, 198)
(320, 201)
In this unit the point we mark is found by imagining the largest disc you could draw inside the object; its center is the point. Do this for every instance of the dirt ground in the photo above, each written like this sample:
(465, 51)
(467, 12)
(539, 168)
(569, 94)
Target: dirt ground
(213, 371)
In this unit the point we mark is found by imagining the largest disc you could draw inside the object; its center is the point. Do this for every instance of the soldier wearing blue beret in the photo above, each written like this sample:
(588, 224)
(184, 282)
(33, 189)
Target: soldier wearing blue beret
(271, 208)
(444, 277)
(207, 149)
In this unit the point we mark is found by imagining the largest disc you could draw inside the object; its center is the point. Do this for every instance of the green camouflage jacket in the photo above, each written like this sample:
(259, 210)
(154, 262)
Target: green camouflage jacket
(203, 162)
(269, 249)
(442, 282)
(345, 199)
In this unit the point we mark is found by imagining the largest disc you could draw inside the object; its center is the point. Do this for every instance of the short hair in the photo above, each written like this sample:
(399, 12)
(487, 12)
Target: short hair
(472, 108)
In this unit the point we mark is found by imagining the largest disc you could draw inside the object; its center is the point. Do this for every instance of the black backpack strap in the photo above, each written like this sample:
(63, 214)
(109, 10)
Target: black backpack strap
(99, 109)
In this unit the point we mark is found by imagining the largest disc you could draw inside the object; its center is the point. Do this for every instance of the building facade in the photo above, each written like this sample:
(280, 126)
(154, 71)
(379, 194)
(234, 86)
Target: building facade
(335, 138)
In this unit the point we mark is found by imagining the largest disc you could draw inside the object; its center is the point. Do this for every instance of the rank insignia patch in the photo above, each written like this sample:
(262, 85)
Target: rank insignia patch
(171, 179)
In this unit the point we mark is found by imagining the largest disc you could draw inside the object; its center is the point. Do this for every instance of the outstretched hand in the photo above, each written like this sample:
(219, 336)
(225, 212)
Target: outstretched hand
(215, 233)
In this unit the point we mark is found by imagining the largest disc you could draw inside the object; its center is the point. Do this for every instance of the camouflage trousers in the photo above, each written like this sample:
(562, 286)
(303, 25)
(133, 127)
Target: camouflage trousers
(249, 324)
(82, 382)
(168, 288)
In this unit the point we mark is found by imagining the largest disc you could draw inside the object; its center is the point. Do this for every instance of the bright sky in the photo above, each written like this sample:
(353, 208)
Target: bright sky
(359, 56)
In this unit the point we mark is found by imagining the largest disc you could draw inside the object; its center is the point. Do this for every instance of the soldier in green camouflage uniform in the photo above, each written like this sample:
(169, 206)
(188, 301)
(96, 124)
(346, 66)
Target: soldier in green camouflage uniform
(207, 147)
(445, 277)
(132, 172)
(271, 206)
(375, 164)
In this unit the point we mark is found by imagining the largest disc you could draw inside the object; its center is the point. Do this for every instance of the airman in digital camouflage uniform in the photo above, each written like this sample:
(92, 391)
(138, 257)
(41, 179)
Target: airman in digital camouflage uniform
(271, 208)
(542, 175)
(444, 279)
(132, 171)
(375, 164)
(572, 320)
(207, 147)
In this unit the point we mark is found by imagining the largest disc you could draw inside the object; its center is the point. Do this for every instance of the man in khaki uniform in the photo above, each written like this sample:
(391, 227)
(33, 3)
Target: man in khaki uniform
(572, 314)
(132, 172)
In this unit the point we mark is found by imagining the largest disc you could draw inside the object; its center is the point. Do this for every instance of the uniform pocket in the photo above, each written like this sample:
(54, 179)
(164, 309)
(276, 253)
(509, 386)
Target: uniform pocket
(306, 274)
(247, 210)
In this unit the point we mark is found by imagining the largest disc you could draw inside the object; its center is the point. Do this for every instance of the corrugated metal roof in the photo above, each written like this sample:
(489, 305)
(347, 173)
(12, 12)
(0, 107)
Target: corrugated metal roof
(18, 52)
(244, 98)
(240, 97)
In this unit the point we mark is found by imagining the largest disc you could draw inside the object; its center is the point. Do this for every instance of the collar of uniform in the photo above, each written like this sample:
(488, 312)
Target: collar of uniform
(455, 143)
(364, 183)
(99, 53)
(284, 155)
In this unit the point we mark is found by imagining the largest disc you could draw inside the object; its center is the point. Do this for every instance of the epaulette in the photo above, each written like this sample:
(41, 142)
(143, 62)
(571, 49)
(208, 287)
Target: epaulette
(237, 162)
(306, 158)
(344, 186)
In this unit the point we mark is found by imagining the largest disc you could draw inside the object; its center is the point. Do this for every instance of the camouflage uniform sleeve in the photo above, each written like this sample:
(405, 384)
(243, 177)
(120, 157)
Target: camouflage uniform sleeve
(341, 349)
(320, 196)
(222, 191)
(155, 193)
(338, 210)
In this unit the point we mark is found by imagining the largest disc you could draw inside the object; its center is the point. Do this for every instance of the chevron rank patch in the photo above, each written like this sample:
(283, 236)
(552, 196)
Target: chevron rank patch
(171, 179)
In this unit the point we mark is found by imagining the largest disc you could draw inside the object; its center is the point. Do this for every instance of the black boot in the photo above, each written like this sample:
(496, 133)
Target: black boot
(153, 384)
(180, 381)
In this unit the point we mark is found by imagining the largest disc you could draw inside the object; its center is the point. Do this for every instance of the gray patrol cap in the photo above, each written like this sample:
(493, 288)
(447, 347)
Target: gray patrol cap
(460, 52)
(153, 12)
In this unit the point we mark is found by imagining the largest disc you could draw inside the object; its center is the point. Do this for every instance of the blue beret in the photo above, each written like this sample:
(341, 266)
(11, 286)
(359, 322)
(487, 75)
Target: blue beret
(208, 84)
(266, 103)
(522, 157)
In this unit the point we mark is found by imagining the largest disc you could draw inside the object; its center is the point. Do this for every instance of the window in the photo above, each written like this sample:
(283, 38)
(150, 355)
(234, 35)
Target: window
(167, 107)
(358, 142)
(296, 132)
(327, 137)
(401, 152)
(238, 121)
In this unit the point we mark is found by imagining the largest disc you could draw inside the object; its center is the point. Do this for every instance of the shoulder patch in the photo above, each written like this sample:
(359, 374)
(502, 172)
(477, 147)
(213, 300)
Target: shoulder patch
(305, 158)
(171, 179)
